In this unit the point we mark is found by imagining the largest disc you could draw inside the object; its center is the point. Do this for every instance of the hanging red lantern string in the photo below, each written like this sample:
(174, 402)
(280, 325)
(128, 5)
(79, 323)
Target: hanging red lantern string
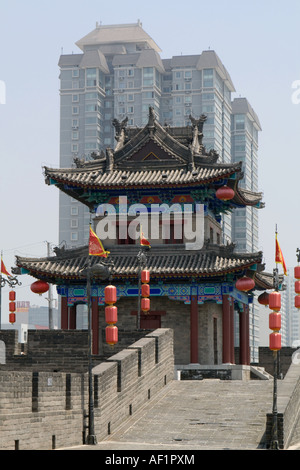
(145, 302)
(275, 321)
(297, 272)
(12, 306)
(297, 301)
(275, 341)
(111, 315)
(12, 295)
(275, 301)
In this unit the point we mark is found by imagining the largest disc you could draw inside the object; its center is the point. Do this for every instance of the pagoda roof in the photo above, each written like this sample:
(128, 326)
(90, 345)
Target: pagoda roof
(154, 156)
(212, 262)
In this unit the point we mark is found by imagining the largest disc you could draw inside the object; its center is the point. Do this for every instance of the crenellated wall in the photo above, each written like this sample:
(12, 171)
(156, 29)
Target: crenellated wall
(41, 410)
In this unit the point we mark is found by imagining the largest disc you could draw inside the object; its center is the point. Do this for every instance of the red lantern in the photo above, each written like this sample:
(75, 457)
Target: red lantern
(297, 272)
(245, 284)
(225, 193)
(275, 341)
(275, 321)
(145, 305)
(12, 295)
(39, 287)
(145, 290)
(263, 298)
(297, 287)
(12, 306)
(111, 314)
(297, 301)
(12, 318)
(275, 301)
(111, 335)
(145, 276)
(110, 294)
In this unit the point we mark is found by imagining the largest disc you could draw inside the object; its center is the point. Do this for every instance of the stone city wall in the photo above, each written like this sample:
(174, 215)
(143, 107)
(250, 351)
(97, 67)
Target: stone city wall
(42, 410)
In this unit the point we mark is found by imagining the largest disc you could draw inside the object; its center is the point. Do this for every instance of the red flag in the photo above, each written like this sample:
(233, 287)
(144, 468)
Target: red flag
(279, 257)
(95, 246)
(3, 269)
(143, 240)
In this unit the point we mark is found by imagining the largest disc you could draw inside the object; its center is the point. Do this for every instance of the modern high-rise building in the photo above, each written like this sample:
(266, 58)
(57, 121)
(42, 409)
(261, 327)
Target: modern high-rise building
(245, 127)
(119, 74)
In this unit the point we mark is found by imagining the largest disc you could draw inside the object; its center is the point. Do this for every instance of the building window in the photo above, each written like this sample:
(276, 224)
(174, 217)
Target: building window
(208, 77)
(148, 76)
(91, 77)
(75, 110)
(74, 236)
(75, 73)
(239, 122)
(74, 223)
(75, 135)
(74, 210)
(74, 147)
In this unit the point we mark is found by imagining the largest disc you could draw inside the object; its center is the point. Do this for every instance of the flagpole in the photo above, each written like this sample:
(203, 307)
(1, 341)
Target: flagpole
(91, 439)
(274, 440)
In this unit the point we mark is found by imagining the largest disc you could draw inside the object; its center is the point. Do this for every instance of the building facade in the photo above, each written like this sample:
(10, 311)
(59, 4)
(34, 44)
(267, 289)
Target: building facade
(170, 186)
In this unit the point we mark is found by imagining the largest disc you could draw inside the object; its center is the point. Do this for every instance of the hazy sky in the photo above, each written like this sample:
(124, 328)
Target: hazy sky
(257, 41)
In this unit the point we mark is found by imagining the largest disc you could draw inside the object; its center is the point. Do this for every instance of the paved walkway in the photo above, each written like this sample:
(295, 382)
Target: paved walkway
(194, 415)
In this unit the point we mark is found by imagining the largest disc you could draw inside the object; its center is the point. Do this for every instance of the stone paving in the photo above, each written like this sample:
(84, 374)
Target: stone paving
(193, 415)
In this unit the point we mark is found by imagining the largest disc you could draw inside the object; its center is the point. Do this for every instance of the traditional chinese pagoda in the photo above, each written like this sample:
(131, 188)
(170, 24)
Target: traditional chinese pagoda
(194, 291)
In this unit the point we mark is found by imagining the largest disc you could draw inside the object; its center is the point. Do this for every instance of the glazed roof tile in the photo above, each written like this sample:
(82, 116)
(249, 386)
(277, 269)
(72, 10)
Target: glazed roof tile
(162, 261)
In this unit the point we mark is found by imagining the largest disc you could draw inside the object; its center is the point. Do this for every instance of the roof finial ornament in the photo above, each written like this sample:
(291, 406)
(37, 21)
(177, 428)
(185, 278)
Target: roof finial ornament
(120, 132)
(151, 120)
(109, 160)
(197, 125)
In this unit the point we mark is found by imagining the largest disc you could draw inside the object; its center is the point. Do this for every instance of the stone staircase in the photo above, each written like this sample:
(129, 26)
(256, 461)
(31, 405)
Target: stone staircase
(199, 414)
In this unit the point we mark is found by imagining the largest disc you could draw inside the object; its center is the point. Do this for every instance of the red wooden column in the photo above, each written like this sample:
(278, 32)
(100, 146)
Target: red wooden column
(72, 317)
(95, 325)
(232, 331)
(244, 336)
(194, 330)
(64, 313)
(228, 347)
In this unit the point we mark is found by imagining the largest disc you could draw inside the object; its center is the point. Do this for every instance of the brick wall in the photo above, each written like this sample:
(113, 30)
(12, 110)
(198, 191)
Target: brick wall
(288, 409)
(41, 410)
